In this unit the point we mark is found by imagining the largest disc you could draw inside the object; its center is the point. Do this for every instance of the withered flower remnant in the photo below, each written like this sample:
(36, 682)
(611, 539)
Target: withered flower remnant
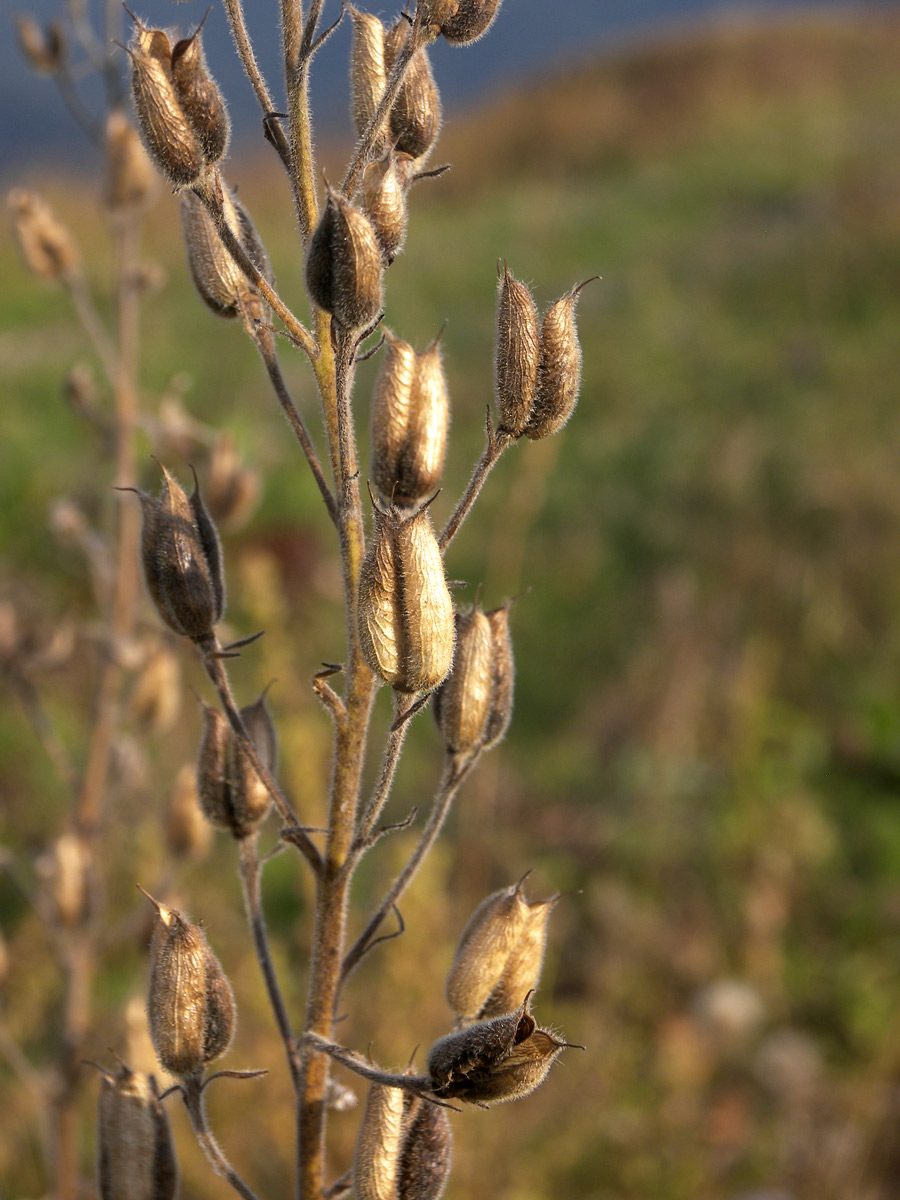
(135, 1153)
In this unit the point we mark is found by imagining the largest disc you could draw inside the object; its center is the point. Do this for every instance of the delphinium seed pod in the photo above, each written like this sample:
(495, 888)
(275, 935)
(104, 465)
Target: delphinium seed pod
(231, 794)
(200, 98)
(522, 972)
(378, 1144)
(416, 115)
(182, 560)
(427, 1152)
(484, 949)
(406, 624)
(190, 1004)
(130, 176)
(390, 411)
(47, 246)
(367, 72)
(518, 352)
(168, 135)
(491, 1061)
(559, 368)
(385, 186)
(463, 701)
(343, 266)
(503, 675)
(470, 21)
(135, 1153)
(220, 281)
(43, 47)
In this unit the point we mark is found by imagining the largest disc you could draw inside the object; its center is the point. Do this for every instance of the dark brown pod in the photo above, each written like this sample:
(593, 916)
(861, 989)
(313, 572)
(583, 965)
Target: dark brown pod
(367, 72)
(518, 352)
(170, 140)
(462, 703)
(200, 98)
(503, 676)
(483, 951)
(427, 1153)
(343, 266)
(470, 21)
(385, 186)
(416, 115)
(559, 368)
(135, 1152)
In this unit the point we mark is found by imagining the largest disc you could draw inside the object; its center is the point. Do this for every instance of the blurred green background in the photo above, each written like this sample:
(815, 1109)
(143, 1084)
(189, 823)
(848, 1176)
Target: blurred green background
(705, 753)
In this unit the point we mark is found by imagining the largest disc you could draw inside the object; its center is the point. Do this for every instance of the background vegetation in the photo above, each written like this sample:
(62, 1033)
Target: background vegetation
(706, 746)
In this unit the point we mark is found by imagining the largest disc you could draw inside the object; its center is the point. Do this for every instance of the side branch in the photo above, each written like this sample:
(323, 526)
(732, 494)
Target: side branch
(235, 13)
(497, 442)
(193, 1100)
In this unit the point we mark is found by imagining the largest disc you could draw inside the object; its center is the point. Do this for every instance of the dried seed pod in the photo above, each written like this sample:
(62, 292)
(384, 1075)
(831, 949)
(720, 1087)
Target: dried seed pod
(483, 951)
(168, 135)
(135, 1153)
(385, 186)
(47, 246)
(470, 20)
(489, 1062)
(462, 703)
(559, 368)
(522, 972)
(182, 560)
(190, 1004)
(405, 611)
(390, 411)
(503, 675)
(200, 98)
(188, 835)
(394, 41)
(343, 266)
(249, 799)
(416, 115)
(367, 71)
(221, 283)
(130, 177)
(213, 793)
(44, 48)
(68, 870)
(378, 1144)
(156, 699)
(518, 352)
(232, 489)
(427, 1153)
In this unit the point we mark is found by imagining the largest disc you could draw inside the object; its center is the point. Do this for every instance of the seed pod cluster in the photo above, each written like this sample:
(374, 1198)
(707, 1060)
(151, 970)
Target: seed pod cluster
(135, 1153)
(406, 626)
(403, 1149)
(222, 284)
(537, 374)
(130, 176)
(231, 794)
(494, 1060)
(344, 266)
(385, 185)
(190, 1004)
(499, 955)
(180, 111)
(182, 560)
(473, 705)
(47, 246)
(410, 420)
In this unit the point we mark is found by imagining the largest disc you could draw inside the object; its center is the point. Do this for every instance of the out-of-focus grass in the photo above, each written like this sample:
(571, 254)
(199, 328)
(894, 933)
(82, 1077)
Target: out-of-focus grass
(707, 733)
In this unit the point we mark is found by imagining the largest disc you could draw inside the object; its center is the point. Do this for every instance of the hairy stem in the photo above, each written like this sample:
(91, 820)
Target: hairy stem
(235, 12)
(496, 444)
(192, 1090)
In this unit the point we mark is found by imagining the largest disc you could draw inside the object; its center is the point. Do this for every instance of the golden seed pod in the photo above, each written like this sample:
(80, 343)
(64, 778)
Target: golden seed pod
(470, 20)
(44, 48)
(232, 490)
(200, 98)
(483, 951)
(406, 623)
(427, 1153)
(390, 411)
(188, 835)
(385, 186)
(130, 180)
(135, 1153)
(416, 115)
(489, 1062)
(503, 676)
(190, 1004)
(559, 368)
(220, 281)
(462, 703)
(182, 560)
(378, 1144)
(156, 699)
(343, 266)
(518, 353)
(367, 72)
(49, 250)
(168, 135)
(522, 972)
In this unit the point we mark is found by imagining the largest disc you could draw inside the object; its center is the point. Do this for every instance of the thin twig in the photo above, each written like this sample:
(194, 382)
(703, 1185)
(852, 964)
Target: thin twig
(192, 1091)
(392, 750)
(244, 47)
(98, 334)
(497, 442)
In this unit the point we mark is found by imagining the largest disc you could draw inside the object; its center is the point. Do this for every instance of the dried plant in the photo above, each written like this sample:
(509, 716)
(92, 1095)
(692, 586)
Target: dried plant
(402, 626)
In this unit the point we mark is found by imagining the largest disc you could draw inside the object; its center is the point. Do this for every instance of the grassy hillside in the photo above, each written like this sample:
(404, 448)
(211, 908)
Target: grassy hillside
(707, 737)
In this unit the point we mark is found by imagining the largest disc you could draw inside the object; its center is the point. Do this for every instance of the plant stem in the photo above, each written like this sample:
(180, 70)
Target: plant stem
(244, 47)
(495, 445)
(192, 1090)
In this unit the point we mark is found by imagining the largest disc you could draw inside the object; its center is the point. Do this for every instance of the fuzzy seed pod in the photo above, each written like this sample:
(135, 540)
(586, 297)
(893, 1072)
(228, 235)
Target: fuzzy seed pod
(220, 281)
(135, 1153)
(156, 699)
(405, 612)
(343, 266)
(232, 489)
(168, 135)
(518, 352)
(47, 246)
(503, 674)
(200, 98)
(489, 1062)
(130, 178)
(559, 368)
(427, 1153)
(470, 21)
(410, 419)
(188, 835)
(190, 1004)
(182, 560)
(385, 186)
(367, 71)
(522, 972)
(212, 785)
(68, 870)
(484, 949)
(231, 794)
(416, 115)
(378, 1144)
(44, 48)
(463, 701)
